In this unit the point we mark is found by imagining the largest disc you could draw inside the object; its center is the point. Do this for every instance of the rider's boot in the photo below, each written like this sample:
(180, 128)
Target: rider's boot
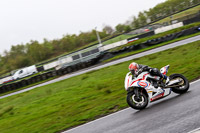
(167, 81)
(158, 91)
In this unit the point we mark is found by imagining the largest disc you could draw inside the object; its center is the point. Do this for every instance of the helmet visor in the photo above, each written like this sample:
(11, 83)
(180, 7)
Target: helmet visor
(133, 72)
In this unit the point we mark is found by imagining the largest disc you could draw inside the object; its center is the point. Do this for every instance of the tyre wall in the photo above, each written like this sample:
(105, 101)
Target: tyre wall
(13, 85)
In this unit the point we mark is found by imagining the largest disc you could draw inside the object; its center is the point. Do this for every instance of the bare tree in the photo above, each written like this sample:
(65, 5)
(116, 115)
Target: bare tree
(109, 30)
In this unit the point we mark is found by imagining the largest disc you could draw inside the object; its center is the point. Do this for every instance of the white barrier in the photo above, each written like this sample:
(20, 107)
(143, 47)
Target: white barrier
(50, 65)
(170, 27)
(58, 62)
(113, 45)
(65, 60)
(5, 79)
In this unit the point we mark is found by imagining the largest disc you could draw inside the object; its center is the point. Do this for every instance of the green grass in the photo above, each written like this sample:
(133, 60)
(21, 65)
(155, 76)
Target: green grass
(149, 48)
(108, 60)
(28, 86)
(158, 35)
(167, 19)
(129, 53)
(25, 78)
(83, 98)
(180, 15)
(31, 85)
(123, 36)
(118, 38)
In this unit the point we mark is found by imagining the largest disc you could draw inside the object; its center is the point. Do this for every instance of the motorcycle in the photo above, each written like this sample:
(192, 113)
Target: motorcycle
(146, 88)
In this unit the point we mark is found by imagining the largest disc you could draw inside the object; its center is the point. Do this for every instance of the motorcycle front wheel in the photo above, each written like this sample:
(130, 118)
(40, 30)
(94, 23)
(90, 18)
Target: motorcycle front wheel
(183, 86)
(135, 103)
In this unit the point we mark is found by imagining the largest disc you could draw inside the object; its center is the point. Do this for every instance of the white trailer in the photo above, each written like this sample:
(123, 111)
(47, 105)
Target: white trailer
(24, 72)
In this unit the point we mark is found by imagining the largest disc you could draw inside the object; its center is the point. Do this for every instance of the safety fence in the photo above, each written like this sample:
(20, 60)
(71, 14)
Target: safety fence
(25, 82)
(167, 28)
(16, 84)
(86, 58)
(87, 54)
(156, 41)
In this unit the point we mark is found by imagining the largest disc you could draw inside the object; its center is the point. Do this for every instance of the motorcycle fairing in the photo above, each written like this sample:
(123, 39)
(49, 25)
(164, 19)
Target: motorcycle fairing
(157, 96)
(128, 80)
(164, 69)
(141, 81)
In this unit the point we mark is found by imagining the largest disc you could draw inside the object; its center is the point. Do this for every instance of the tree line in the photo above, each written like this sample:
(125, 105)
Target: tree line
(33, 52)
(160, 11)
(23, 55)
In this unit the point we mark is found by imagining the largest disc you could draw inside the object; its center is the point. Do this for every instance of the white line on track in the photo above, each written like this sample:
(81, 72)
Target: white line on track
(193, 131)
(195, 81)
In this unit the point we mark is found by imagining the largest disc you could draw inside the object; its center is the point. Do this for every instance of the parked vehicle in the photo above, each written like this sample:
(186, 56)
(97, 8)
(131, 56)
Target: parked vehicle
(6, 79)
(146, 88)
(24, 72)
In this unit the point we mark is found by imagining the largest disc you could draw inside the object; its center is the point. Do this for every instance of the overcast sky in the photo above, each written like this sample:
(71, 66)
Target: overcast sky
(25, 20)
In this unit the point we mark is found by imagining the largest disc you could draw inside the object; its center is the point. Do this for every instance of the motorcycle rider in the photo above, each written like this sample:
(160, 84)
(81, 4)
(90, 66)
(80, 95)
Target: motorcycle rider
(136, 69)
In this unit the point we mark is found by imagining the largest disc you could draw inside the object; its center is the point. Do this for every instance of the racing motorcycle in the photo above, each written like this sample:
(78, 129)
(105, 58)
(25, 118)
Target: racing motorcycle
(146, 88)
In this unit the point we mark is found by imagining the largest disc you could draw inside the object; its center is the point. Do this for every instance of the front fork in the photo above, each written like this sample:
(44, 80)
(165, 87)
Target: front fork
(137, 94)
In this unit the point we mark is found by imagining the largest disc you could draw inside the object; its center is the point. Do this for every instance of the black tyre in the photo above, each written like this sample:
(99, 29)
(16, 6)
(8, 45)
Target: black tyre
(137, 104)
(184, 85)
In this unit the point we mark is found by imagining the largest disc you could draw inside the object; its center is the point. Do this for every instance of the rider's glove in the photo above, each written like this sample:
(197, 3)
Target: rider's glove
(150, 70)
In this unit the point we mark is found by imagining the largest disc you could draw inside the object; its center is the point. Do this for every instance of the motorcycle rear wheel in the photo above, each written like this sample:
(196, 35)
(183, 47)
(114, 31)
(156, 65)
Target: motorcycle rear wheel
(184, 85)
(135, 104)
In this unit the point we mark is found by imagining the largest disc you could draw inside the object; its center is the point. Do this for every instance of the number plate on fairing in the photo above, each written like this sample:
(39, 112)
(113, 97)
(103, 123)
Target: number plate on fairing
(142, 84)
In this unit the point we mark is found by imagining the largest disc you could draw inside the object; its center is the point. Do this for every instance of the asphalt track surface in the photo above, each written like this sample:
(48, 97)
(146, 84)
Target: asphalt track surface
(173, 114)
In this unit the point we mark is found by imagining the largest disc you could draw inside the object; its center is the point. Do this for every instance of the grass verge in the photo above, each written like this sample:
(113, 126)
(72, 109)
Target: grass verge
(111, 59)
(28, 86)
(150, 47)
(118, 38)
(83, 98)
(180, 15)
(158, 35)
